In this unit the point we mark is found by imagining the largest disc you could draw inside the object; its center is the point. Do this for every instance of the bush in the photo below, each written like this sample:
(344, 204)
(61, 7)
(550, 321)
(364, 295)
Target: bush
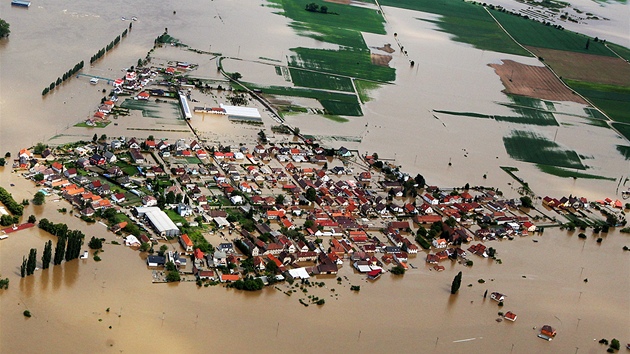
(27, 313)
(95, 243)
(173, 276)
(398, 270)
(614, 344)
(582, 235)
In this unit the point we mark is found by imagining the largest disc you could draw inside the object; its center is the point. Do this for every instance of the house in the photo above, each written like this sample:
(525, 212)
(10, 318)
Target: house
(184, 210)
(156, 261)
(149, 200)
(118, 197)
(548, 331)
(497, 296)
(97, 160)
(136, 156)
(439, 243)
(143, 96)
(510, 316)
(185, 241)
(110, 157)
(219, 258)
(228, 278)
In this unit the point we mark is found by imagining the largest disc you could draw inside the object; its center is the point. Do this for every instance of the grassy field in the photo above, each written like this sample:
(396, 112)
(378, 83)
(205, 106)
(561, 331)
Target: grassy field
(523, 115)
(153, 109)
(342, 108)
(339, 15)
(624, 151)
(364, 88)
(530, 147)
(614, 100)
(341, 36)
(468, 23)
(348, 62)
(322, 81)
(127, 168)
(536, 34)
(562, 172)
(335, 103)
(624, 129)
(622, 51)
(96, 125)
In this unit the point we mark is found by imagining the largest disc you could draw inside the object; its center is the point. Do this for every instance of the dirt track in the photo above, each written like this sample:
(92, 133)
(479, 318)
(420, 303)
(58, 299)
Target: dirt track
(533, 81)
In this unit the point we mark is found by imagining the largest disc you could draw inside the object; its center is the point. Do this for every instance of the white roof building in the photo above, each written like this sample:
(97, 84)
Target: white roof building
(159, 220)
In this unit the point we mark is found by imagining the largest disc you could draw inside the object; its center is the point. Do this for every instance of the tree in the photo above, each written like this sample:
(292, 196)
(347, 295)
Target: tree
(39, 199)
(2, 161)
(145, 246)
(4, 28)
(308, 224)
(23, 267)
(39, 148)
(457, 281)
(95, 243)
(323, 9)
(312, 7)
(103, 137)
(7, 155)
(47, 256)
(311, 194)
(173, 276)
(60, 250)
(419, 180)
(588, 43)
(271, 267)
(398, 270)
(170, 197)
(31, 264)
(614, 343)
(4, 283)
(38, 177)
(236, 76)
(280, 199)
(526, 201)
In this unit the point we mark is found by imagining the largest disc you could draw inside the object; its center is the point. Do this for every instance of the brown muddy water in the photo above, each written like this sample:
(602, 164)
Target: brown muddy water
(414, 313)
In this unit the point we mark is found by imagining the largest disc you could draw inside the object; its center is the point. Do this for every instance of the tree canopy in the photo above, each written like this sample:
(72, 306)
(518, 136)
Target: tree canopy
(4, 28)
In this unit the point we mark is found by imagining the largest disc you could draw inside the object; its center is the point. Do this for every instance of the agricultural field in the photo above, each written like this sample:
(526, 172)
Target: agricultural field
(624, 151)
(335, 103)
(614, 100)
(467, 22)
(562, 172)
(622, 51)
(350, 62)
(354, 18)
(530, 147)
(535, 34)
(340, 36)
(586, 67)
(623, 128)
(153, 109)
(364, 88)
(305, 78)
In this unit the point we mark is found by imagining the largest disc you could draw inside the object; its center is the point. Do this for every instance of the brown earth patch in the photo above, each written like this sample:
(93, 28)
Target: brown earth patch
(533, 81)
(380, 59)
(386, 48)
(586, 67)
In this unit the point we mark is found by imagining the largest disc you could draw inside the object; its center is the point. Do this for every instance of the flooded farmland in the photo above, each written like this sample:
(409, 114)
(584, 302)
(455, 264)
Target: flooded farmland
(413, 313)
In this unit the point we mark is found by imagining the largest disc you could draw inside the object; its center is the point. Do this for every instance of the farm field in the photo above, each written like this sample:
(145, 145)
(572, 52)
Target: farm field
(305, 78)
(530, 147)
(364, 88)
(562, 172)
(624, 151)
(614, 100)
(536, 34)
(586, 67)
(468, 23)
(624, 129)
(340, 36)
(347, 61)
(153, 109)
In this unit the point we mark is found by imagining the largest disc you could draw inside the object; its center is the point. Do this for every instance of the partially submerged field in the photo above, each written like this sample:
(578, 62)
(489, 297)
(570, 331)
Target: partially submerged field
(531, 147)
(533, 81)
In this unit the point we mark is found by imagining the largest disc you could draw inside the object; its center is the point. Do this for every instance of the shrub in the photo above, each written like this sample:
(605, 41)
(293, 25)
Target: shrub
(27, 313)
(614, 344)
(95, 243)
(398, 270)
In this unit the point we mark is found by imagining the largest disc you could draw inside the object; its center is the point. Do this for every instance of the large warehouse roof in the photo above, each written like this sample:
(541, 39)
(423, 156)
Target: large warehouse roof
(158, 218)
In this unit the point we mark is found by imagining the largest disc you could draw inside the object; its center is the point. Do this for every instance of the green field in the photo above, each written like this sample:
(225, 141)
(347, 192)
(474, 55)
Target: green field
(348, 62)
(335, 103)
(341, 36)
(624, 151)
(153, 109)
(364, 88)
(350, 17)
(468, 23)
(562, 172)
(305, 78)
(531, 147)
(130, 170)
(624, 129)
(523, 115)
(614, 100)
(342, 108)
(536, 34)
(622, 51)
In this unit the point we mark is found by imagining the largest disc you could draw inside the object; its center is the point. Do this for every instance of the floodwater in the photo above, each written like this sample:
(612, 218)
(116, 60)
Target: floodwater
(412, 314)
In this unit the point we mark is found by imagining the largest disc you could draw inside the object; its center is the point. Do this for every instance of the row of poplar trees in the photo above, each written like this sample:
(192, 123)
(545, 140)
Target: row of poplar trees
(68, 247)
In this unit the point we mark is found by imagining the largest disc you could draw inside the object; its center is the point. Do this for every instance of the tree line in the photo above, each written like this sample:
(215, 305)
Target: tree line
(68, 74)
(108, 47)
(7, 199)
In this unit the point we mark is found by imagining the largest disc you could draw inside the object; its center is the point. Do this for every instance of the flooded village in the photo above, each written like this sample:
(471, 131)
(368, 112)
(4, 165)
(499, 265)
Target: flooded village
(232, 192)
(284, 212)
